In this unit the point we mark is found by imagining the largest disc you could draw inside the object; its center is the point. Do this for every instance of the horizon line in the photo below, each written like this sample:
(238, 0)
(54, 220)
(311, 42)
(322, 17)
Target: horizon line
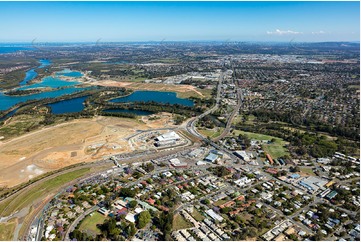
(179, 41)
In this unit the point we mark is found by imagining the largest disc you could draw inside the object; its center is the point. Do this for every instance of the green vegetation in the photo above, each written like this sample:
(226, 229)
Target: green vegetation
(127, 192)
(211, 133)
(89, 224)
(28, 196)
(7, 230)
(180, 223)
(276, 148)
(219, 171)
(165, 223)
(220, 202)
(133, 204)
(20, 125)
(307, 170)
(143, 219)
(197, 216)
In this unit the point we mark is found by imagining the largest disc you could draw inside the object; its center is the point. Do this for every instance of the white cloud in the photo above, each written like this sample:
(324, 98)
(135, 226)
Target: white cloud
(283, 32)
(319, 32)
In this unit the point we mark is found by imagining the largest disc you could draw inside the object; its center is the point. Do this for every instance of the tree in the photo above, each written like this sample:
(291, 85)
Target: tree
(131, 230)
(206, 201)
(132, 204)
(295, 169)
(143, 219)
(127, 192)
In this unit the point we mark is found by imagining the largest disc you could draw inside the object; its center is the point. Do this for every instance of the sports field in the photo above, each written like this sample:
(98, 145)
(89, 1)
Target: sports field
(89, 224)
(275, 149)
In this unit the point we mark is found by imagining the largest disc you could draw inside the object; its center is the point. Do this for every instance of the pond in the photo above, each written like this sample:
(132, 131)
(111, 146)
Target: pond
(154, 96)
(73, 105)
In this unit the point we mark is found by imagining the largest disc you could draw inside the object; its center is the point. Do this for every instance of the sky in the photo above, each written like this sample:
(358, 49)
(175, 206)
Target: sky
(179, 21)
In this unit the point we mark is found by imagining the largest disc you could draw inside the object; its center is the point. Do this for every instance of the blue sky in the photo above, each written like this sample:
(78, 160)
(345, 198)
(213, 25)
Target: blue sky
(156, 21)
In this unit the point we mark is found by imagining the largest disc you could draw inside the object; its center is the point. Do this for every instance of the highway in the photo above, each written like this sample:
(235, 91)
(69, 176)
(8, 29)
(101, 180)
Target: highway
(233, 114)
(191, 128)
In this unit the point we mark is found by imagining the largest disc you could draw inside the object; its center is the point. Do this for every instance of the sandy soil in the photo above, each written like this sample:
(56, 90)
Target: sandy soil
(83, 140)
(149, 86)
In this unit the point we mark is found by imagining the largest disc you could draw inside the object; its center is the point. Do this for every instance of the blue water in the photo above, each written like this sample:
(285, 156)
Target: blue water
(136, 112)
(7, 102)
(73, 105)
(8, 49)
(149, 96)
(31, 74)
(44, 63)
(50, 81)
(70, 73)
(9, 114)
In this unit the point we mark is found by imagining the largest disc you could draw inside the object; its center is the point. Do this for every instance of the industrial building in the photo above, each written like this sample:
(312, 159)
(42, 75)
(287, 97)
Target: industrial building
(312, 183)
(211, 157)
(177, 163)
(242, 154)
(170, 136)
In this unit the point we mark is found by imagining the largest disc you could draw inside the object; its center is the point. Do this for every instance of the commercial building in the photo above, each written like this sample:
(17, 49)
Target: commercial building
(211, 157)
(312, 183)
(170, 136)
(242, 154)
(175, 162)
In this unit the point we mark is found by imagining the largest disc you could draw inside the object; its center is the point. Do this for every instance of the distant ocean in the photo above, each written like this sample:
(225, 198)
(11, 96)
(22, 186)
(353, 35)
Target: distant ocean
(8, 49)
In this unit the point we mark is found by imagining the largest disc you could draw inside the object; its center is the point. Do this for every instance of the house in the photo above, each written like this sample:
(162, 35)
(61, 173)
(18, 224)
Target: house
(269, 158)
(214, 216)
(273, 171)
(243, 181)
(130, 217)
(227, 204)
(290, 231)
(295, 176)
(103, 211)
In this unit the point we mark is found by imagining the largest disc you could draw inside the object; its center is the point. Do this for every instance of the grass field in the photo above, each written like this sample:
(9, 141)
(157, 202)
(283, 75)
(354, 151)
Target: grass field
(180, 223)
(20, 125)
(275, 149)
(89, 224)
(239, 118)
(40, 190)
(220, 202)
(197, 216)
(7, 230)
(212, 133)
(207, 93)
(307, 170)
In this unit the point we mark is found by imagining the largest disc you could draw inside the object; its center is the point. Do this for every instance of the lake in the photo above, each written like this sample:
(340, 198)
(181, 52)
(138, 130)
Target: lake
(136, 112)
(73, 105)
(31, 74)
(52, 82)
(7, 102)
(9, 114)
(154, 96)
(69, 73)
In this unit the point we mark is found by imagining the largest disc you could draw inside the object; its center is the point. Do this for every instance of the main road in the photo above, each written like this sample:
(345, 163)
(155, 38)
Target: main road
(190, 127)
(233, 114)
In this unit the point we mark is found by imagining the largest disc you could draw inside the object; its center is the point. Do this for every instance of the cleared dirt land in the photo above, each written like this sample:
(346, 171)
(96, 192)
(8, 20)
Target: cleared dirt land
(83, 140)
